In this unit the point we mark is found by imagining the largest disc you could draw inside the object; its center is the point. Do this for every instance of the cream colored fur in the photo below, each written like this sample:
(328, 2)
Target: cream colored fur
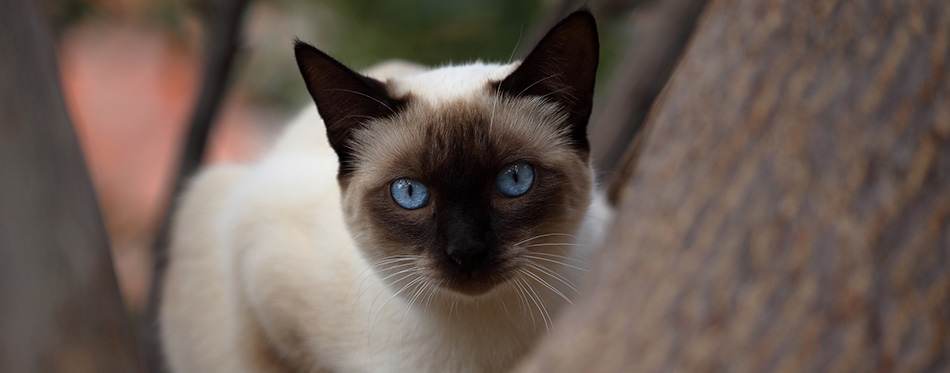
(264, 275)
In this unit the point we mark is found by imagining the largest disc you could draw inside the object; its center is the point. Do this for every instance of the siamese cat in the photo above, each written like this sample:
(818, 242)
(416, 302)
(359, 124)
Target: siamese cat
(444, 225)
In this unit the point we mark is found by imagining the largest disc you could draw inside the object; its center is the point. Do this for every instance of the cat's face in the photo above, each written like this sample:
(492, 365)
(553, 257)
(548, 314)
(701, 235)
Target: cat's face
(460, 192)
(464, 192)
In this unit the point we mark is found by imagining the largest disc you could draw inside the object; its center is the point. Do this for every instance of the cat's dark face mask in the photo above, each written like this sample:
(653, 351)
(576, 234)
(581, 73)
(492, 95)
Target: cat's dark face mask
(469, 202)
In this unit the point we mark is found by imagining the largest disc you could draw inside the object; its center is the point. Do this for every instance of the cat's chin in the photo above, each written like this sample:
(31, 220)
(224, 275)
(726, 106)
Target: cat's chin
(475, 286)
(472, 288)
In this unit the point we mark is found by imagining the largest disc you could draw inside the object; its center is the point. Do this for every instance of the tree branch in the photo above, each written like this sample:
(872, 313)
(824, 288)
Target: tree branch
(224, 19)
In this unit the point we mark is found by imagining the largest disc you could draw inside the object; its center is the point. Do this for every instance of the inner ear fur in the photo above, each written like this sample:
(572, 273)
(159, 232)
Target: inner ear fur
(562, 69)
(345, 99)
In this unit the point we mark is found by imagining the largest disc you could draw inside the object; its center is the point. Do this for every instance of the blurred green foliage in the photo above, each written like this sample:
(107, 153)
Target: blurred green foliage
(64, 13)
(362, 32)
(431, 31)
(357, 32)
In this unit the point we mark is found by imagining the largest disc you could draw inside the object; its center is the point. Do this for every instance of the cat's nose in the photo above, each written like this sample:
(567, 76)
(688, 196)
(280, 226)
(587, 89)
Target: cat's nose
(467, 254)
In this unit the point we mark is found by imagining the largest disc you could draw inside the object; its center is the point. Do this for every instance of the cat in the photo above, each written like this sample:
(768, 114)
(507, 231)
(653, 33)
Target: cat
(447, 221)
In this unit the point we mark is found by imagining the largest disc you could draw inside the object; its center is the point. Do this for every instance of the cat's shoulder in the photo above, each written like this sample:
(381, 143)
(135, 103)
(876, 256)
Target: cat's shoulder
(206, 192)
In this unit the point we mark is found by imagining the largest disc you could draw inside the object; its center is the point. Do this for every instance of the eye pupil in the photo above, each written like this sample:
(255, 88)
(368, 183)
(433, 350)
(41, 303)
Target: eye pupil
(515, 179)
(409, 194)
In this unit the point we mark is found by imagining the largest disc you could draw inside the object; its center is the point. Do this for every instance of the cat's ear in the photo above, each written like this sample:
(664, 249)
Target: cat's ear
(562, 68)
(344, 98)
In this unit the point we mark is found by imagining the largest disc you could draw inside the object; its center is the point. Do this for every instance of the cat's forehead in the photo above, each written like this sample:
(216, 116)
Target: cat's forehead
(449, 84)
(483, 130)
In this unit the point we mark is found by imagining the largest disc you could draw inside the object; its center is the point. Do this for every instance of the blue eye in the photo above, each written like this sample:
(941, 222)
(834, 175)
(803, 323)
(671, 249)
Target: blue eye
(409, 194)
(515, 179)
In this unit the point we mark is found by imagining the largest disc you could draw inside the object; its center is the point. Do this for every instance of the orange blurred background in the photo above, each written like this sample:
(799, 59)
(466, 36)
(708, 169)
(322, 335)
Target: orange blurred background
(131, 91)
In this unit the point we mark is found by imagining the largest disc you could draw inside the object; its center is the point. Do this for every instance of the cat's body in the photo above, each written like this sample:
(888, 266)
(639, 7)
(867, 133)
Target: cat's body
(271, 271)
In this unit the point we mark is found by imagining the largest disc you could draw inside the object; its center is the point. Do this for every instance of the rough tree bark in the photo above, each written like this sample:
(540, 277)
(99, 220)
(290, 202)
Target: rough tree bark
(789, 209)
(60, 308)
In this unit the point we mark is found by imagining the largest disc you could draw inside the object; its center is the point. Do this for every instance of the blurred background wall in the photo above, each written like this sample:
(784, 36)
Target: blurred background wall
(131, 71)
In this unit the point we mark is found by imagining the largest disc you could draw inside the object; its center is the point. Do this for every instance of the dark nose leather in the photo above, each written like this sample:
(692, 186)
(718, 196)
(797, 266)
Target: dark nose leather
(468, 254)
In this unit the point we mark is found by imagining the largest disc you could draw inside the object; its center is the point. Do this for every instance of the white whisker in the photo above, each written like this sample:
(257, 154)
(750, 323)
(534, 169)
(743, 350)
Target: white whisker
(412, 299)
(383, 288)
(555, 262)
(543, 308)
(364, 95)
(575, 260)
(535, 83)
(517, 43)
(491, 122)
(381, 308)
(363, 291)
(501, 298)
(431, 293)
(454, 304)
(545, 235)
(367, 117)
(547, 285)
(554, 275)
(537, 302)
(396, 274)
(505, 306)
(558, 91)
(402, 323)
(367, 274)
(523, 295)
(557, 244)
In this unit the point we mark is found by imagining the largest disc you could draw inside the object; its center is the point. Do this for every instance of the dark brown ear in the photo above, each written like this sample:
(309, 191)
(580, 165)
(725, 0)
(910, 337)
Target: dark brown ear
(562, 68)
(345, 99)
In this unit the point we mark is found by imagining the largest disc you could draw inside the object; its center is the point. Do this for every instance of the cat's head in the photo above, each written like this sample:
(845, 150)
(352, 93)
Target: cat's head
(463, 176)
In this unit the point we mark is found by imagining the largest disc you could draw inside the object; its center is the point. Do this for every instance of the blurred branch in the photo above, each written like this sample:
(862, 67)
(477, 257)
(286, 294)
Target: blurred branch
(662, 29)
(224, 18)
(60, 307)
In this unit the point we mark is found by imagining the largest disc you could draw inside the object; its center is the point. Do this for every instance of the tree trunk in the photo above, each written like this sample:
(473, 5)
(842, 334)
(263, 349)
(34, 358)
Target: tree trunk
(790, 205)
(60, 308)
(661, 30)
